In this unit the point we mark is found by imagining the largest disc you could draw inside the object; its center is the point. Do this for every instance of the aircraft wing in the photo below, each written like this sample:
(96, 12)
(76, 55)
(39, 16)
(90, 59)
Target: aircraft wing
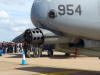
(19, 39)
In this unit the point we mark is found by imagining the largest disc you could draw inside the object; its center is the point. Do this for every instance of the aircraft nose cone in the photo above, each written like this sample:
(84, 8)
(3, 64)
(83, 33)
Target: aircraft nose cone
(38, 11)
(34, 13)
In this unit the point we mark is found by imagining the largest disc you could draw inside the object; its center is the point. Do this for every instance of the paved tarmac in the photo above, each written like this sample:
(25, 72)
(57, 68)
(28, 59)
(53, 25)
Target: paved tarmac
(10, 64)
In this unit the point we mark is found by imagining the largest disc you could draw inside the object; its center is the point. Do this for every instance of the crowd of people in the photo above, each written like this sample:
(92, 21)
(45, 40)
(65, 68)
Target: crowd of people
(10, 47)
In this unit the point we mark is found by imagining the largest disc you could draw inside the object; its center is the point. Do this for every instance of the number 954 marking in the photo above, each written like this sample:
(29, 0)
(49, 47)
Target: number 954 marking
(68, 9)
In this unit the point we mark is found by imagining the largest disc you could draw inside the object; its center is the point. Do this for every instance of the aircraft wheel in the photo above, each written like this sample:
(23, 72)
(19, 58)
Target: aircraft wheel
(50, 52)
(67, 54)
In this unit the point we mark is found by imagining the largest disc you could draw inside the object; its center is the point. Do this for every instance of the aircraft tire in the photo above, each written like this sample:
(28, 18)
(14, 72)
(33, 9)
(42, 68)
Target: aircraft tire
(50, 53)
(67, 54)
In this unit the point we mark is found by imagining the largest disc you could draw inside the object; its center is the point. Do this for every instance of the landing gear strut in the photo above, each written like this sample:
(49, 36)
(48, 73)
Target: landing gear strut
(37, 52)
(27, 48)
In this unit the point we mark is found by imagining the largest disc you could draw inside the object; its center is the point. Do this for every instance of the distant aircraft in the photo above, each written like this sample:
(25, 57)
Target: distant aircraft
(67, 24)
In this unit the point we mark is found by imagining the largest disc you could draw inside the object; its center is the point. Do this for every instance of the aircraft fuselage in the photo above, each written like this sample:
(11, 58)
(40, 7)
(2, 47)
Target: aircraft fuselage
(80, 18)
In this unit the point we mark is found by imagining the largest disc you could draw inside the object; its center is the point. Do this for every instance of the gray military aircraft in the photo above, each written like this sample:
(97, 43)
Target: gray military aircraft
(67, 24)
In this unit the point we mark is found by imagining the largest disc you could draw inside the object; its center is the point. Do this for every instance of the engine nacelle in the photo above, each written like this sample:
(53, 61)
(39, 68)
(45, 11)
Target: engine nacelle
(34, 36)
(44, 36)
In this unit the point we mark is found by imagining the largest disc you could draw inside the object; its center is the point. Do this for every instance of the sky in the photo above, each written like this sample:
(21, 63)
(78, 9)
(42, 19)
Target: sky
(14, 18)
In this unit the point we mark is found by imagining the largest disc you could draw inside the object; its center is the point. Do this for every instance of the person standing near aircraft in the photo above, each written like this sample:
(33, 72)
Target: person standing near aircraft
(4, 47)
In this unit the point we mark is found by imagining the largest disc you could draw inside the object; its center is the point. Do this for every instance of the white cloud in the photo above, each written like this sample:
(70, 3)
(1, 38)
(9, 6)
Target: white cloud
(3, 14)
(22, 21)
(14, 18)
(5, 19)
(16, 5)
(18, 28)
